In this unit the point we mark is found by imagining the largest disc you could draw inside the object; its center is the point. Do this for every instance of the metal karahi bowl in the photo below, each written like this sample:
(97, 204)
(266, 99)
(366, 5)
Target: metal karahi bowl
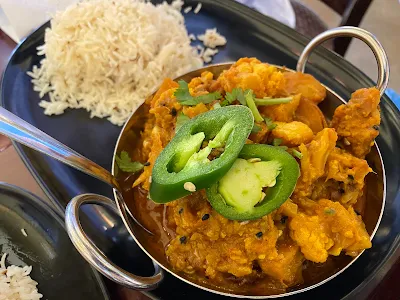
(375, 186)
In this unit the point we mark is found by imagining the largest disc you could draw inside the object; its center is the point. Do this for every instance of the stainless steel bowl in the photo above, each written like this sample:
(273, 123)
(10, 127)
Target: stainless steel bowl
(376, 186)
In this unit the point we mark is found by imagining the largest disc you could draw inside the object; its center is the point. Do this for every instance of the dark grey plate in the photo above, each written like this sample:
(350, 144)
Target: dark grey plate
(249, 34)
(59, 269)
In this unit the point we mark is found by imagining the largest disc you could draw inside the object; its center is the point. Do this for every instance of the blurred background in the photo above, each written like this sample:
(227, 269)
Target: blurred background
(382, 18)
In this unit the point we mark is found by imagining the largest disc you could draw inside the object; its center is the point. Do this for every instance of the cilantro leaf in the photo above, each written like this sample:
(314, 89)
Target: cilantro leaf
(207, 98)
(270, 124)
(236, 94)
(184, 97)
(125, 163)
(241, 98)
(180, 120)
(224, 102)
(232, 96)
(182, 93)
(256, 128)
(276, 142)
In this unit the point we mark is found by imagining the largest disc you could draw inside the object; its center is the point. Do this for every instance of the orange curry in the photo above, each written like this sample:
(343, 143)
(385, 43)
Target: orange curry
(267, 255)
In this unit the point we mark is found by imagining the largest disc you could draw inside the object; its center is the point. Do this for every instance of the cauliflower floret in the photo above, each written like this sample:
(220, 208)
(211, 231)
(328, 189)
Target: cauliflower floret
(350, 171)
(328, 230)
(293, 133)
(203, 85)
(356, 123)
(250, 73)
(314, 160)
(192, 111)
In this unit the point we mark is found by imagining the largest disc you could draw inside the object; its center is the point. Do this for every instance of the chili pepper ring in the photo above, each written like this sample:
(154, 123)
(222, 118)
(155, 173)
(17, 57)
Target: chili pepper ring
(275, 196)
(182, 163)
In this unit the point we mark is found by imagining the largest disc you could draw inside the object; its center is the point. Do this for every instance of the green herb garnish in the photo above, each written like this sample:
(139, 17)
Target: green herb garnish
(270, 124)
(236, 94)
(276, 142)
(224, 103)
(180, 120)
(125, 163)
(256, 128)
(184, 97)
(329, 211)
(249, 96)
(297, 154)
(272, 101)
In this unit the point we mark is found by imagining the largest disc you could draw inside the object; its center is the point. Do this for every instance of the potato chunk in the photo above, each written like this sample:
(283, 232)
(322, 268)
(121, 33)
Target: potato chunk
(306, 85)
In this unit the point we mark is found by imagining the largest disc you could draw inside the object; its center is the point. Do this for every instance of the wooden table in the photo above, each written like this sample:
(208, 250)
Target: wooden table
(14, 171)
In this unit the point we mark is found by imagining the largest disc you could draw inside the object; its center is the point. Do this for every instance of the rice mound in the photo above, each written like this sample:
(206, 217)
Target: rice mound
(108, 56)
(16, 284)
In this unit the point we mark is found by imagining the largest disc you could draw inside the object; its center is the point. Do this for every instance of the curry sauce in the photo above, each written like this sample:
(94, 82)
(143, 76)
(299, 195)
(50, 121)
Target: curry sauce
(311, 236)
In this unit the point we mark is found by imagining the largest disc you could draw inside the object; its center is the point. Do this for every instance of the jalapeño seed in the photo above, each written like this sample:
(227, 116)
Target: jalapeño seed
(259, 234)
(205, 217)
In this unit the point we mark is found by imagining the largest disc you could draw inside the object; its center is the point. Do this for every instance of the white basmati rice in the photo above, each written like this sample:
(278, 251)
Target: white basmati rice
(201, 49)
(208, 54)
(187, 9)
(197, 9)
(16, 284)
(211, 38)
(177, 4)
(108, 56)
